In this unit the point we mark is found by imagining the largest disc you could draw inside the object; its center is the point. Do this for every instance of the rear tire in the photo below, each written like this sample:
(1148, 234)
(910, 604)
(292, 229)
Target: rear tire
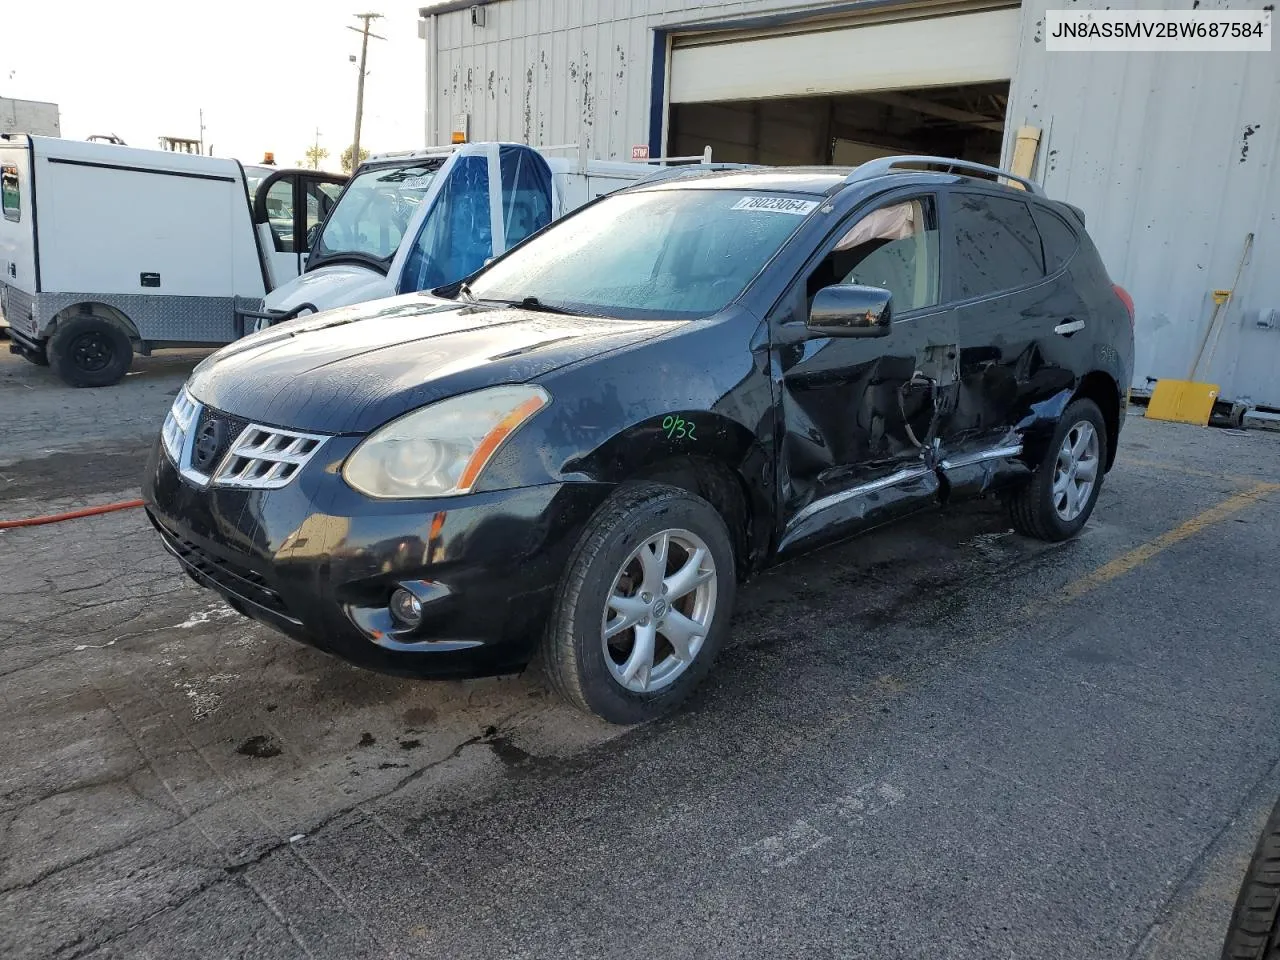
(607, 576)
(1254, 933)
(1054, 504)
(90, 351)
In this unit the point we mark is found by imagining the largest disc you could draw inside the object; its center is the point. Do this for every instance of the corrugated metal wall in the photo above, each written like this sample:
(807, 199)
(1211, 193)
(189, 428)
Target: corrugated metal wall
(1172, 156)
(559, 71)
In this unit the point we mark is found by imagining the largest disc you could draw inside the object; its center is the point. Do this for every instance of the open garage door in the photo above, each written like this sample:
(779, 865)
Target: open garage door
(846, 92)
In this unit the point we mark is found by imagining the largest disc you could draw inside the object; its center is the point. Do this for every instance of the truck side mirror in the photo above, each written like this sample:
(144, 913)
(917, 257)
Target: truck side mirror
(849, 310)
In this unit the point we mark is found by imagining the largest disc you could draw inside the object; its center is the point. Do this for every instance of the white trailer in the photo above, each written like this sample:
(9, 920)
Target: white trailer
(423, 219)
(106, 250)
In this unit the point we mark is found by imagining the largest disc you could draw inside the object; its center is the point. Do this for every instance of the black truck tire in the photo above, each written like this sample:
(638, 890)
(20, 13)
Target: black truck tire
(90, 351)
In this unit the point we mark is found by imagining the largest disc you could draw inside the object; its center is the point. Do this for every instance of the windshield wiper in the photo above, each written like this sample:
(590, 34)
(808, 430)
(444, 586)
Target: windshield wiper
(533, 303)
(464, 291)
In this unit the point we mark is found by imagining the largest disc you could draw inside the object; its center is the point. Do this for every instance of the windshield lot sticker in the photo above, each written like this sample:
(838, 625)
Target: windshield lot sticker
(799, 208)
(678, 428)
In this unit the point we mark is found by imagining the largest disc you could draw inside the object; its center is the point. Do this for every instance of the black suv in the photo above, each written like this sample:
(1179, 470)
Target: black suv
(582, 450)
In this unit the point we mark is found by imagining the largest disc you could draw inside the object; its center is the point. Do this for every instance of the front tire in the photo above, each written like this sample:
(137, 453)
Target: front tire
(89, 351)
(1254, 933)
(644, 604)
(1058, 500)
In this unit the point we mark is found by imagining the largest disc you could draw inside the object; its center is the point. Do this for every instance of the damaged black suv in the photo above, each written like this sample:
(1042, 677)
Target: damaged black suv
(581, 451)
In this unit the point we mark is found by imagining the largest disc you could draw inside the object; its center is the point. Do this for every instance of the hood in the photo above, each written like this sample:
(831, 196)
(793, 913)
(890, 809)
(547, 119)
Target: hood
(351, 370)
(339, 285)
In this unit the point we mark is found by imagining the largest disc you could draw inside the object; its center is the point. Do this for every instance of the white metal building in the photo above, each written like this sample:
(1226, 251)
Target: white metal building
(1172, 156)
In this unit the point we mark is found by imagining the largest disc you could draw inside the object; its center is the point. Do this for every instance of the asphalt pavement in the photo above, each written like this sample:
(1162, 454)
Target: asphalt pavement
(940, 740)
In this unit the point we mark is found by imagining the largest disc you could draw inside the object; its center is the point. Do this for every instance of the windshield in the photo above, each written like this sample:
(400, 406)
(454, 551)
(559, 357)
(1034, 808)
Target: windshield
(375, 209)
(664, 254)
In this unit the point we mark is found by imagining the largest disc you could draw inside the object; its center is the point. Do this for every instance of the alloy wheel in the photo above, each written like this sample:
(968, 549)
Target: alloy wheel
(659, 611)
(1076, 470)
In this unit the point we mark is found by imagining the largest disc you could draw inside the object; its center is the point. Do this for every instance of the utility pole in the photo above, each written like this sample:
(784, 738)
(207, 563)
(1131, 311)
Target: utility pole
(367, 18)
(202, 131)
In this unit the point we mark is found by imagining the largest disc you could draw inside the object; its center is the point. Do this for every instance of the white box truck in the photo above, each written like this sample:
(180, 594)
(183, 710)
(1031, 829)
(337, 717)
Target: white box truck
(423, 219)
(108, 250)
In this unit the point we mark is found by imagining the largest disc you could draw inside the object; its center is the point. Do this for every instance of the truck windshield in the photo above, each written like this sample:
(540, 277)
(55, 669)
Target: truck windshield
(655, 254)
(375, 209)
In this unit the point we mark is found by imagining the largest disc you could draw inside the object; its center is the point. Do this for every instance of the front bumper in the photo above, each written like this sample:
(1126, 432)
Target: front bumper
(318, 561)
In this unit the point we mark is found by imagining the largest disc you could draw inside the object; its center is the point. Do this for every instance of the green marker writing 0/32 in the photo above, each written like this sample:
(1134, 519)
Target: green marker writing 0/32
(678, 428)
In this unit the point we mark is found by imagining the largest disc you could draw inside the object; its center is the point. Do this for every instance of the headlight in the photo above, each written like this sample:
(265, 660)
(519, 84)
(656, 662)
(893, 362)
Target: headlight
(440, 450)
(177, 423)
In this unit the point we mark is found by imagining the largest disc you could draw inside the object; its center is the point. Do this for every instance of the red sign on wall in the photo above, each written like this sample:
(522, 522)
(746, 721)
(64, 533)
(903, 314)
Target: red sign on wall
(640, 152)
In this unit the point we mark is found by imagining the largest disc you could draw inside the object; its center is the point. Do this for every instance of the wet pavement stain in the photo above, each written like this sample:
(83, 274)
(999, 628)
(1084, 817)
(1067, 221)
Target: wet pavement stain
(418, 717)
(259, 747)
(367, 740)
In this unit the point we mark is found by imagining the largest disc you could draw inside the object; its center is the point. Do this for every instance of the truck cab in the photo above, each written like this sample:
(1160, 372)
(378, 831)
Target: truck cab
(416, 221)
(289, 207)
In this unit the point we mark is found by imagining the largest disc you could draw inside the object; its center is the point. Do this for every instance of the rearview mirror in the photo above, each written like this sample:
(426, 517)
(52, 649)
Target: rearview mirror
(848, 310)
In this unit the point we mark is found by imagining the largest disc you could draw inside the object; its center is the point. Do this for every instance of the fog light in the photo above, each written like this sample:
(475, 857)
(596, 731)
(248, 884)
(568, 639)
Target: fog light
(406, 608)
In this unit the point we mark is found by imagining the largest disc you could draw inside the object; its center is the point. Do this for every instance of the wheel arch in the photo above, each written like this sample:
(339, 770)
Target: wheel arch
(1102, 388)
(723, 462)
(103, 311)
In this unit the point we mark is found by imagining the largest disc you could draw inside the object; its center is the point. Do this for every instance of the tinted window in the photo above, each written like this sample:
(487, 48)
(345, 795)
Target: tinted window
(1060, 241)
(526, 193)
(10, 193)
(893, 247)
(995, 244)
(457, 235)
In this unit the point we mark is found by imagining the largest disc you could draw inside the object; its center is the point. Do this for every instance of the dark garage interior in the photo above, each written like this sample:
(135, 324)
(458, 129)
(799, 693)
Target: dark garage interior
(957, 121)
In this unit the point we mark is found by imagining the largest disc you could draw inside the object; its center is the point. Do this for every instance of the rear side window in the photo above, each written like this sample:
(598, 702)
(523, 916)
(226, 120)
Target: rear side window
(10, 193)
(1060, 241)
(995, 243)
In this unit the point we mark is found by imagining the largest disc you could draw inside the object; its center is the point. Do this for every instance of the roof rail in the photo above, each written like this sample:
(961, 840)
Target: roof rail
(883, 165)
(691, 170)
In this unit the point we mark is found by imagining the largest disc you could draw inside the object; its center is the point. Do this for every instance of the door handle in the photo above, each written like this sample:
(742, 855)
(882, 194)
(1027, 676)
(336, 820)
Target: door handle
(1070, 327)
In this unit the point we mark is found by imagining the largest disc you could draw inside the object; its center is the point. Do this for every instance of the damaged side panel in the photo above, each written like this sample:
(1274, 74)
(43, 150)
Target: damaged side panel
(859, 422)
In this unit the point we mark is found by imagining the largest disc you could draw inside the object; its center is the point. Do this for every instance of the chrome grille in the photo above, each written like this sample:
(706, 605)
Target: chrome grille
(236, 453)
(265, 458)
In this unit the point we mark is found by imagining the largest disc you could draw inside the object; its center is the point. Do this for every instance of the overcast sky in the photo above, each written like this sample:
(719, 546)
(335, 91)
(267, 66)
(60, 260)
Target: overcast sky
(267, 73)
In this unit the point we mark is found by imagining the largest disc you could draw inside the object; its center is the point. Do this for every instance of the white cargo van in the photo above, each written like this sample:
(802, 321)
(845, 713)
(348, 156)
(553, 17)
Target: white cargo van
(414, 221)
(106, 250)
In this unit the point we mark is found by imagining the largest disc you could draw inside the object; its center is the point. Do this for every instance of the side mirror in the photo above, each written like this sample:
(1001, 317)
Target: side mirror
(848, 310)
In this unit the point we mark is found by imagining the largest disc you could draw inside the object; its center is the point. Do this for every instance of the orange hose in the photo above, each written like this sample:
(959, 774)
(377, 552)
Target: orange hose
(72, 515)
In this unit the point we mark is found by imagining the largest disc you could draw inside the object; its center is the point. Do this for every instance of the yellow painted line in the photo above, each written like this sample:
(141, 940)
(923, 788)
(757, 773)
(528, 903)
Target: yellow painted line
(1141, 554)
